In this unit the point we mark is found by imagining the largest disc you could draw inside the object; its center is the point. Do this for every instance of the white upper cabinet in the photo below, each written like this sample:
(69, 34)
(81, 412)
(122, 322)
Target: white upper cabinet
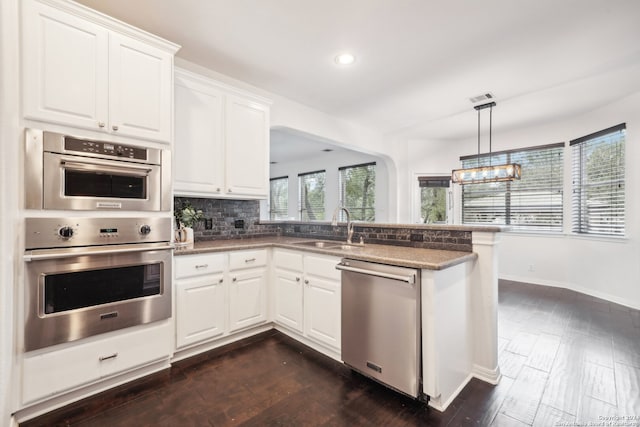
(65, 70)
(221, 140)
(80, 70)
(199, 140)
(139, 89)
(247, 154)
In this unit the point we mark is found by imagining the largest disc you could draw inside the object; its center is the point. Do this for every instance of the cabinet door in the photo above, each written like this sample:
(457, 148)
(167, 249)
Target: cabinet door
(288, 299)
(140, 88)
(322, 310)
(198, 146)
(200, 309)
(247, 298)
(65, 64)
(247, 147)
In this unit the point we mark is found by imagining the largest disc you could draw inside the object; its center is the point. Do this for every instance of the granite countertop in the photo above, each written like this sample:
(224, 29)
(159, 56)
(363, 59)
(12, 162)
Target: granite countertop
(431, 259)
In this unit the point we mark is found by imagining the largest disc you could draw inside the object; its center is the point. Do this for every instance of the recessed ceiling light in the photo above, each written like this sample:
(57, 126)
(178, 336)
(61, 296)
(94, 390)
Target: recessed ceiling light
(345, 59)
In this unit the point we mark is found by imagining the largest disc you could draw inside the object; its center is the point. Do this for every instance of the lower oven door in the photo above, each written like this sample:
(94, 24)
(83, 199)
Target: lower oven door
(73, 296)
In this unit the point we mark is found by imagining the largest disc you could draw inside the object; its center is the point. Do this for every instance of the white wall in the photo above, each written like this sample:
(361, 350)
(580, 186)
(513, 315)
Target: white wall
(604, 267)
(331, 162)
(9, 158)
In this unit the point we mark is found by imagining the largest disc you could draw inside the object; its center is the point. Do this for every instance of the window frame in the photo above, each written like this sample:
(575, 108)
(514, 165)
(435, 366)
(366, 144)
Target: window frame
(342, 196)
(434, 181)
(301, 210)
(519, 203)
(582, 223)
(273, 212)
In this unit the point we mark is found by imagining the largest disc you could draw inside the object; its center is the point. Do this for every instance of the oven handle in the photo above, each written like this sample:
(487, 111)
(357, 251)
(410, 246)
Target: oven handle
(45, 254)
(96, 165)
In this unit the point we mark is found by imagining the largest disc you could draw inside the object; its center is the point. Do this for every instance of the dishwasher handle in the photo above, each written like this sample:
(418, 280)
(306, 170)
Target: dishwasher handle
(411, 278)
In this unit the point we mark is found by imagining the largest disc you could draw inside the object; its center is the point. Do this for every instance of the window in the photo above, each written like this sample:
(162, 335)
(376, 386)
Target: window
(358, 191)
(311, 195)
(433, 199)
(597, 174)
(533, 203)
(279, 198)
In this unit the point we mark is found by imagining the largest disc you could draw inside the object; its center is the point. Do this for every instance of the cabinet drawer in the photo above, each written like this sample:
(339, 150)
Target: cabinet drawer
(47, 374)
(323, 266)
(247, 259)
(198, 265)
(287, 260)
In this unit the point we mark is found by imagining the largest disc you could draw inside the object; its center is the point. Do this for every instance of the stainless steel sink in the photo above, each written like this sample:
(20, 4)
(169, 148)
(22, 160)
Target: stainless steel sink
(347, 247)
(328, 244)
(319, 244)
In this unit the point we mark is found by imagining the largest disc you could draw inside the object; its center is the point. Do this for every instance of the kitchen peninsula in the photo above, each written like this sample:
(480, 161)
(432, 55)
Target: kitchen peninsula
(459, 291)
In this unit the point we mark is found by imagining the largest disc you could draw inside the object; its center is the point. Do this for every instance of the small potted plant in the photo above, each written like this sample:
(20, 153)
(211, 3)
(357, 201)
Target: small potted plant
(187, 217)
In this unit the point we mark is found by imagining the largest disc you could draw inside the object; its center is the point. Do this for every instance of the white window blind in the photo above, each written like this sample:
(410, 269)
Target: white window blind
(358, 191)
(597, 171)
(533, 203)
(311, 195)
(279, 198)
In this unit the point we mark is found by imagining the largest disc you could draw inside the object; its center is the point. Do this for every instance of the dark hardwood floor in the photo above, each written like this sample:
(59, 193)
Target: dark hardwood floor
(565, 357)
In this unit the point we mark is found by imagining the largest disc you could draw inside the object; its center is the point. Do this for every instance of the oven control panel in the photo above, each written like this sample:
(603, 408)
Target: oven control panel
(68, 232)
(105, 148)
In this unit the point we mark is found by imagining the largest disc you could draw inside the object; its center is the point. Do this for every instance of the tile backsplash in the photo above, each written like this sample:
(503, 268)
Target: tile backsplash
(224, 215)
(402, 235)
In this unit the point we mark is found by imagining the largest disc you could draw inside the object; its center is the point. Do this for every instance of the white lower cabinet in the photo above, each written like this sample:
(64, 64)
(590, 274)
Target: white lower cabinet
(288, 289)
(201, 304)
(322, 310)
(218, 294)
(247, 289)
(67, 367)
(311, 305)
(200, 298)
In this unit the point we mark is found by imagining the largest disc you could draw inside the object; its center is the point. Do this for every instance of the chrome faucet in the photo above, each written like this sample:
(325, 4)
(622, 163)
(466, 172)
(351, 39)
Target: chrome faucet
(334, 222)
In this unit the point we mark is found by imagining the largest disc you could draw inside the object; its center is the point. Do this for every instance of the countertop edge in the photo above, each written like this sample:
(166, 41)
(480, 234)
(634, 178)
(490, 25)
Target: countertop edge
(247, 244)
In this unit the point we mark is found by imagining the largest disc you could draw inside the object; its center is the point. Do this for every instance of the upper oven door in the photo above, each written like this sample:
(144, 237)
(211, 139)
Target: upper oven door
(85, 183)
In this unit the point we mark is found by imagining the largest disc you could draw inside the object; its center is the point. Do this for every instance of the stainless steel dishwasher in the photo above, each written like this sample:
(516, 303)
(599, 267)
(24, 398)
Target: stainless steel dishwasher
(381, 323)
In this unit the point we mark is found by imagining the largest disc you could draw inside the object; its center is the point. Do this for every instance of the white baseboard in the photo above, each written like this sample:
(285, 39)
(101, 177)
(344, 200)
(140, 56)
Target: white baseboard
(572, 287)
(441, 406)
(491, 376)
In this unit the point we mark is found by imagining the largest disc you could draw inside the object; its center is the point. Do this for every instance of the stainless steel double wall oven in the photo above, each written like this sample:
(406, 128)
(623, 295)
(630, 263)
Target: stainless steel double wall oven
(87, 275)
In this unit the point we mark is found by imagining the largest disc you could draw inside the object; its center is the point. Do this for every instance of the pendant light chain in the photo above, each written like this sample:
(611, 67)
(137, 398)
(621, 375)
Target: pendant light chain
(478, 159)
(487, 172)
(490, 127)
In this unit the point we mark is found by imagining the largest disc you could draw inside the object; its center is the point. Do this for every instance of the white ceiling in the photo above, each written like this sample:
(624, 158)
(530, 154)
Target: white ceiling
(418, 61)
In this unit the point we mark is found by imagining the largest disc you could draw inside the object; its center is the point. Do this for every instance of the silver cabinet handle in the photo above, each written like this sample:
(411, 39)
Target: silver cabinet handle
(202, 266)
(306, 282)
(101, 124)
(111, 356)
(297, 279)
(114, 127)
(221, 280)
(249, 260)
(234, 279)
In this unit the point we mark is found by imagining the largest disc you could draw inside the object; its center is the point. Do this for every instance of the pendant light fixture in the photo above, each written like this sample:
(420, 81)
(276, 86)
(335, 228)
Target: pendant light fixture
(486, 173)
